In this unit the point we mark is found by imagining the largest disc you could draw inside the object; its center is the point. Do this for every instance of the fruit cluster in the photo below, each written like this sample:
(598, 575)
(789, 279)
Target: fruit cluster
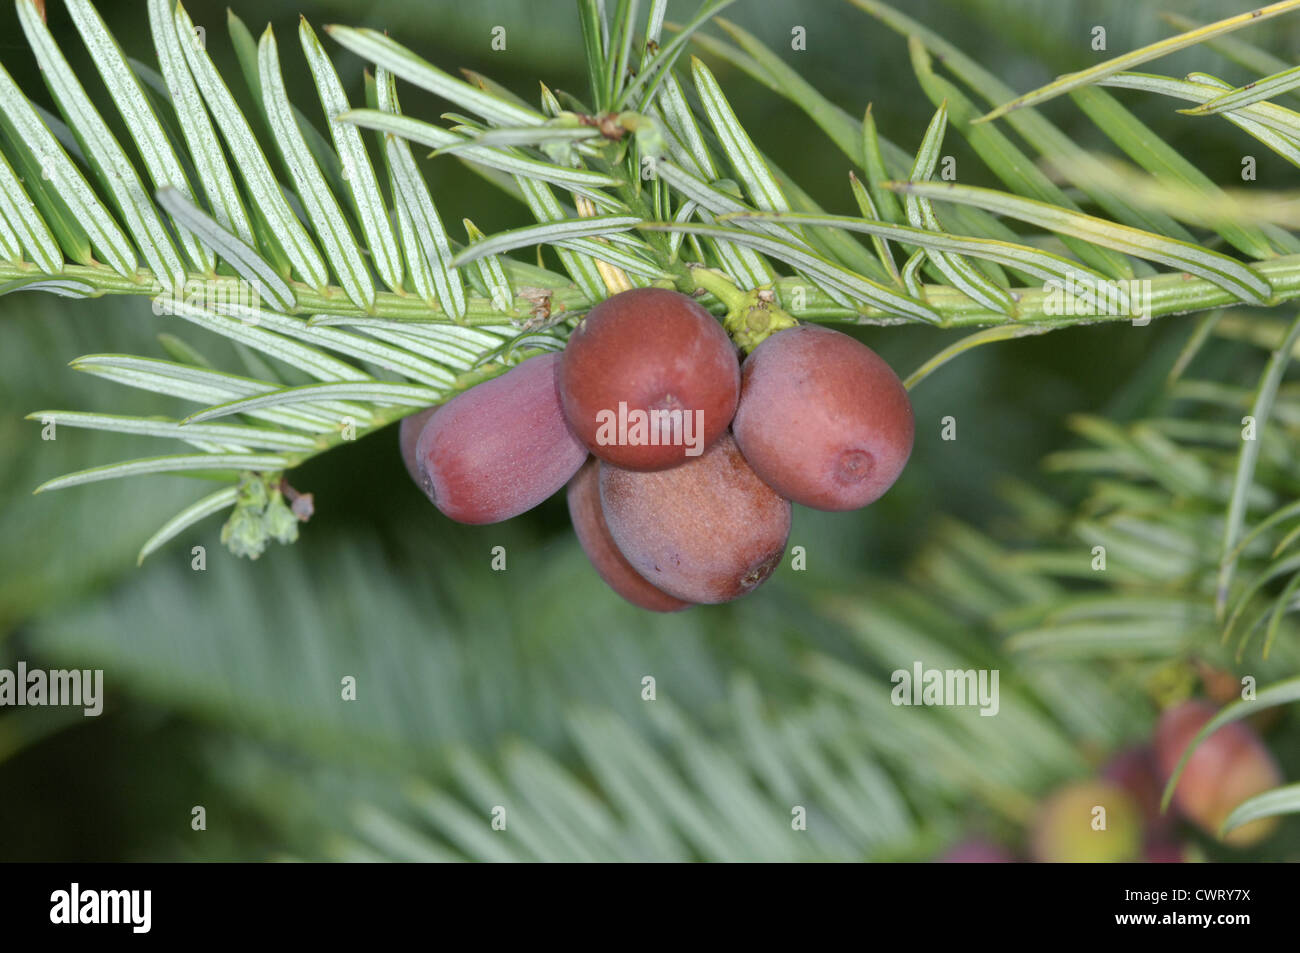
(681, 464)
(1228, 767)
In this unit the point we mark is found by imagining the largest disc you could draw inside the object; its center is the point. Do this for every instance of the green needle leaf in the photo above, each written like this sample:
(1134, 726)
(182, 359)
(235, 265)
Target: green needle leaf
(368, 391)
(548, 233)
(160, 160)
(1228, 273)
(199, 510)
(359, 173)
(1281, 693)
(1006, 332)
(240, 323)
(376, 48)
(414, 130)
(199, 385)
(1266, 88)
(322, 207)
(1246, 459)
(251, 266)
(157, 427)
(423, 219)
(864, 289)
(1274, 803)
(921, 216)
(180, 463)
(740, 149)
(284, 231)
(1164, 162)
(115, 172)
(205, 151)
(68, 187)
(1032, 261)
(1153, 51)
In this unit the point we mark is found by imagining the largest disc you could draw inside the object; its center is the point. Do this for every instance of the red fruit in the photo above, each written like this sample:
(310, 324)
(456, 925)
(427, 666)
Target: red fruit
(1228, 767)
(589, 523)
(706, 531)
(408, 432)
(649, 379)
(822, 419)
(1165, 852)
(1136, 771)
(500, 448)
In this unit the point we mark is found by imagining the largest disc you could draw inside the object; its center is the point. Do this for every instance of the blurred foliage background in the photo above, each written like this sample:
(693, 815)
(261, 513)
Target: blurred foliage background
(524, 688)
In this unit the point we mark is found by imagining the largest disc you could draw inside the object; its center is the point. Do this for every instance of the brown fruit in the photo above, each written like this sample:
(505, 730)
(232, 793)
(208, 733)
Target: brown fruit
(1228, 767)
(589, 524)
(649, 379)
(408, 432)
(822, 419)
(500, 448)
(706, 531)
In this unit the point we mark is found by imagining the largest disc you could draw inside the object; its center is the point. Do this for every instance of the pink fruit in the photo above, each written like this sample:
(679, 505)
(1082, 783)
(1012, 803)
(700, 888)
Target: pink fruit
(706, 531)
(1228, 767)
(613, 567)
(822, 419)
(408, 432)
(649, 379)
(1135, 770)
(500, 448)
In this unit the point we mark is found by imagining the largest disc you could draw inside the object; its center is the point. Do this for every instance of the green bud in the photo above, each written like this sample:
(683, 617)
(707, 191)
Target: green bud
(244, 533)
(279, 520)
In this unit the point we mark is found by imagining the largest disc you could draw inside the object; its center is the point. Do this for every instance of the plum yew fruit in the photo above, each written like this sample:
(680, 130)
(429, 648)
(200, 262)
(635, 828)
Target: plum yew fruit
(500, 448)
(589, 525)
(706, 531)
(822, 419)
(1165, 852)
(649, 379)
(408, 432)
(1135, 770)
(1228, 767)
(1069, 830)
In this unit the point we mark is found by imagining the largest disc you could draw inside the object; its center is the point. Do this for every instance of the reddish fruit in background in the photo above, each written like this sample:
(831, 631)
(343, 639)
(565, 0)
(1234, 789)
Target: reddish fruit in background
(1065, 828)
(706, 531)
(500, 448)
(1135, 770)
(589, 523)
(822, 419)
(408, 432)
(642, 351)
(1165, 852)
(976, 852)
(1228, 767)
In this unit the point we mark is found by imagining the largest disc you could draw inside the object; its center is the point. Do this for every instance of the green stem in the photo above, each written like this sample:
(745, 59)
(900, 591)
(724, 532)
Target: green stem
(752, 316)
(1170, 294)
